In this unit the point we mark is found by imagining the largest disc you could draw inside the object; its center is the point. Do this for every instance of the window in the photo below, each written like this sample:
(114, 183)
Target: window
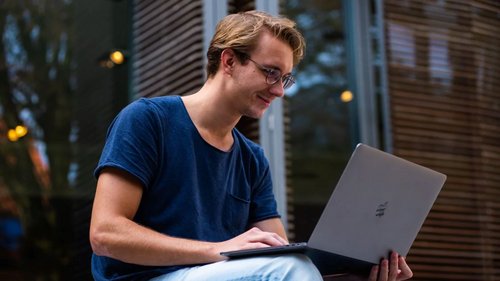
(321, 131)
(59, 92)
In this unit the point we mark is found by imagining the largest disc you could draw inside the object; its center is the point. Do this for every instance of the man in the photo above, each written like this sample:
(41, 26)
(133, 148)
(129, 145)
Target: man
(178, 184)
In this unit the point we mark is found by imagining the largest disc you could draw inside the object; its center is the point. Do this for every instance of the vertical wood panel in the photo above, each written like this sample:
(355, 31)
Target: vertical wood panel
(168, 47)
(444, 85)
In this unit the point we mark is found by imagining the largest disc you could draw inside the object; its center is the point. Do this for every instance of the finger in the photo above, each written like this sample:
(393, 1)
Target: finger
(384, 270)
(373, 273)
(272, 239)
(406, 272)
(393, 267)
(280, 239)
(269, 238)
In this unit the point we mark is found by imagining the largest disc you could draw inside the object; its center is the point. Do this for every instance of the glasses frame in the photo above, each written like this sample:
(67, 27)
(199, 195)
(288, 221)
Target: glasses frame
(287, 80)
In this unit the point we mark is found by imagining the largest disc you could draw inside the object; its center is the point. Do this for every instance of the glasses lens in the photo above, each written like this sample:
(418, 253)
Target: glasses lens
(288, 81)
(273, 76)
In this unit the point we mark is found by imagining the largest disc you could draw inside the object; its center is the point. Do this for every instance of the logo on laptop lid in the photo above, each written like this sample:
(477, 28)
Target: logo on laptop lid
(381, 209)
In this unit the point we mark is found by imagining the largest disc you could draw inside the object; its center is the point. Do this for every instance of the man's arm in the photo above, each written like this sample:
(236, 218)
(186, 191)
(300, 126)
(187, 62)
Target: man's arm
(113, 233)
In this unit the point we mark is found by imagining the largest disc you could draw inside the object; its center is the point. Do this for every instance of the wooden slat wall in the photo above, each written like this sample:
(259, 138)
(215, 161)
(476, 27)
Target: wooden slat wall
(168, 47)
(443, 62)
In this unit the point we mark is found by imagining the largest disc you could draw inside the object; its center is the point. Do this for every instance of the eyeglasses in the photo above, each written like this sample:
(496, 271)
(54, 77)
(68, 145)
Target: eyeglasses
(274, 75)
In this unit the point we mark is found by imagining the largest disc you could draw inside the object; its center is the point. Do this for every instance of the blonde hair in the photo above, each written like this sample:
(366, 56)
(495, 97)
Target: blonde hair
(240, 32)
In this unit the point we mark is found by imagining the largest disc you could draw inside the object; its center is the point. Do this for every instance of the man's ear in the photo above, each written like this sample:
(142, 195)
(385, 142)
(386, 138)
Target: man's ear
(227, 61)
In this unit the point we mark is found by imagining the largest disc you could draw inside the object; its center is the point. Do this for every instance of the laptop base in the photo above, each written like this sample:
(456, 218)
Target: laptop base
(330, 264)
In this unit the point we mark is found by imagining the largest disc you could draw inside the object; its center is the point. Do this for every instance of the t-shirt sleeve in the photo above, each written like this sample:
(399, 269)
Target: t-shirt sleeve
(132, 142)
(263, 204)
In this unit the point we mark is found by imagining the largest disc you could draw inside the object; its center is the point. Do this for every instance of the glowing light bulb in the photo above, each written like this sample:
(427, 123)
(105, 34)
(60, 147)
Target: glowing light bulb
(21, 131)
(12, 136)
(117, 57)
(346, 96)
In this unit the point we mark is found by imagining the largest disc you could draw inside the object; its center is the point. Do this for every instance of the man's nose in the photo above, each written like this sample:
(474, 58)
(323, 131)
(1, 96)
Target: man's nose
(277, 89)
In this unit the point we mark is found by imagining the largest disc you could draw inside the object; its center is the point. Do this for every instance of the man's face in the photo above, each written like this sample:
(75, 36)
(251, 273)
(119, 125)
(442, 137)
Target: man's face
(255, 93)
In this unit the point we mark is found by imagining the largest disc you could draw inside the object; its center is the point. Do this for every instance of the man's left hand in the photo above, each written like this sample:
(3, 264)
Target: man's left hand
(394, 269)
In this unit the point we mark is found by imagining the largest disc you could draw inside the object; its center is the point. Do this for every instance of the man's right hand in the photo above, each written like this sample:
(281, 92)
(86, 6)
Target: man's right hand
(251, 239)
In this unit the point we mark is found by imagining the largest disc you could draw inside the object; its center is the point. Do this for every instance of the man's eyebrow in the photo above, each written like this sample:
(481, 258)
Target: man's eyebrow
(272, 66)
(275, 67)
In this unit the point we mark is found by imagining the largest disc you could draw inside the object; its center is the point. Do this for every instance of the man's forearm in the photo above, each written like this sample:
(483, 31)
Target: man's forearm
(129, 242)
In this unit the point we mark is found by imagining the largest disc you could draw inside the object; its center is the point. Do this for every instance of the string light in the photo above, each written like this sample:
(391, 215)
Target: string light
(346, 96)
(12, 136)
(17, 133)
(112, 58)
(21, 131)
(117, 57)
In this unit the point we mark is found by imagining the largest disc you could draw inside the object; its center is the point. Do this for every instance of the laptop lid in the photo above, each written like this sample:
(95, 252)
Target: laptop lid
(378, 206)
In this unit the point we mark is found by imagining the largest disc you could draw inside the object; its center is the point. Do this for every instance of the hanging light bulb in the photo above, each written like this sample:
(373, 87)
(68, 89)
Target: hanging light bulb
(346, 96)
(21, 131)
(112, 58)
(12, 136)
(18, 132)
(117, 57)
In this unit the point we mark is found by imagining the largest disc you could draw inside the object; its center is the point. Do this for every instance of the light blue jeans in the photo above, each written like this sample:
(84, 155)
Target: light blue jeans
(267, 268)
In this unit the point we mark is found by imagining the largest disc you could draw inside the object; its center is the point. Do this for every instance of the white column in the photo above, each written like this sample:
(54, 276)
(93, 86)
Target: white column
(360, 68)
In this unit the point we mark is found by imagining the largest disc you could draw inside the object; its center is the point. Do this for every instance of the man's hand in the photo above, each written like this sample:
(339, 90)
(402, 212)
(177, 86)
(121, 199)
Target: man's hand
(251, 239)
(394, 269)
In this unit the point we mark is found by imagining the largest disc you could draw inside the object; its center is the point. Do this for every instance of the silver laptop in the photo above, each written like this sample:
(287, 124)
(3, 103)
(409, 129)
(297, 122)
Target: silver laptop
(378, 206)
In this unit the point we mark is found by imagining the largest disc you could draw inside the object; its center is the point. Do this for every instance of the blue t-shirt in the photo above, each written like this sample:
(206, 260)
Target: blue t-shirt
(191, 189)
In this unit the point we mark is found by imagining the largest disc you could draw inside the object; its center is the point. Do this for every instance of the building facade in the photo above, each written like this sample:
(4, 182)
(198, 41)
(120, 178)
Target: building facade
(417, 78)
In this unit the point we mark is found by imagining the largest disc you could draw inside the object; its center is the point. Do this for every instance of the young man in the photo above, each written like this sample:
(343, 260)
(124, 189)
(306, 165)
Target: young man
(178, 184)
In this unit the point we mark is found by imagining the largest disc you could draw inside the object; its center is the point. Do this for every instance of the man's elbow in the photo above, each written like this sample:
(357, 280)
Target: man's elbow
(99, 241)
